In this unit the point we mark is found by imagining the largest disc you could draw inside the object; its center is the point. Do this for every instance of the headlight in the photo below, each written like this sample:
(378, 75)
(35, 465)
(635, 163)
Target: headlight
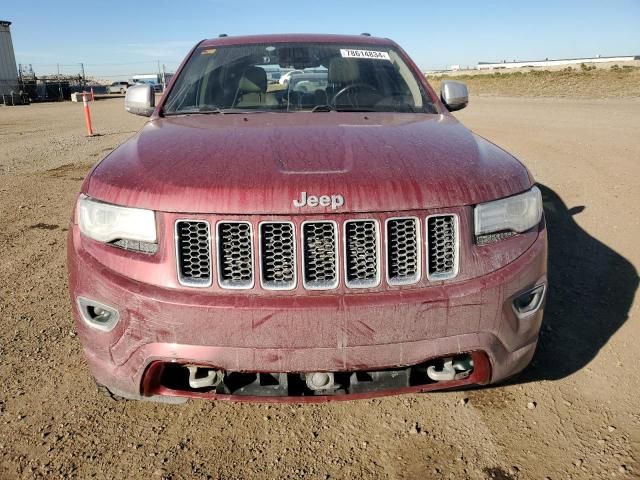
(514, 214)
(106, 223)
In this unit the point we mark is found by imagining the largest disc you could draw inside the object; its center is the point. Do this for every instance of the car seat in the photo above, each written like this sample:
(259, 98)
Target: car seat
(342, 72)
(252, 88)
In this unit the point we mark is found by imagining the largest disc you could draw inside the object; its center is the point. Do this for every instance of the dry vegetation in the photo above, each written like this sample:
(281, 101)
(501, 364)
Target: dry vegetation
(582, 82)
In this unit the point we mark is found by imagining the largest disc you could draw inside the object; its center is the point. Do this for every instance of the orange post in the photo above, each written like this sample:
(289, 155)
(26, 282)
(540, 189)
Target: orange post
(87, 114)
(93, 99)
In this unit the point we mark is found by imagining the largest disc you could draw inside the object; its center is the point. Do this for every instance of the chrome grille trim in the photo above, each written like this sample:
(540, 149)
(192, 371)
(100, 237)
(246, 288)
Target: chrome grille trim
(324, 284)
(363, 260)
(228, 266)
(186, 274)
(413, 252)
(451, 247)
(316, 243)
(267, 255)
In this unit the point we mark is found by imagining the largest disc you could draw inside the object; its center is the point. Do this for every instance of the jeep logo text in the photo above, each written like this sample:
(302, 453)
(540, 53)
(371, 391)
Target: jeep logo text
(335, 201)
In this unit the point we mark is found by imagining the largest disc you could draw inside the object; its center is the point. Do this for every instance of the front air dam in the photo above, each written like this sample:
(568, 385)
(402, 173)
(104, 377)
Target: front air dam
(171, 379)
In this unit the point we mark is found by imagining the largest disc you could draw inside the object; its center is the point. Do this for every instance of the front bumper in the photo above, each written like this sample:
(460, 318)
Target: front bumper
(239, 332)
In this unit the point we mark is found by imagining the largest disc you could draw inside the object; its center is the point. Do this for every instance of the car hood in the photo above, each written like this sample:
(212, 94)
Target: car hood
(258, 163)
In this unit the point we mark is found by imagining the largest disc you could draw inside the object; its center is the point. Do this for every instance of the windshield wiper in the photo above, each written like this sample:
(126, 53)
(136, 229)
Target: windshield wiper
(205, 109)
(356, 109)
(385, 109)
(323, 108)
(331, 108)
(212, 109)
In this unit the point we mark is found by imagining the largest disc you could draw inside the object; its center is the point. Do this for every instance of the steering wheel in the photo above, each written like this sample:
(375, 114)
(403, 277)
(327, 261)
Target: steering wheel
(348, 88)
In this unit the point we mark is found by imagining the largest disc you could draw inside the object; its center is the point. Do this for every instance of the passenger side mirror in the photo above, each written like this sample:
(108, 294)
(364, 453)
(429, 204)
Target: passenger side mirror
(454, 95)
(140, 100)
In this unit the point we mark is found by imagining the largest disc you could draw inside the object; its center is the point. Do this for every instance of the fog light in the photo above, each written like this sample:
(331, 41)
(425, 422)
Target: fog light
(529, 302)
(98, 315)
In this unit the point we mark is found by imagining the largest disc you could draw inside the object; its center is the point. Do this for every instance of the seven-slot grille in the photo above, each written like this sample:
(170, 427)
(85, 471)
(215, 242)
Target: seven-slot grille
(277, 255)
(277, 249)
(442, 246)
(361, 247)
(320, 255)
(403, 251)
(235, 254)
(194, 252)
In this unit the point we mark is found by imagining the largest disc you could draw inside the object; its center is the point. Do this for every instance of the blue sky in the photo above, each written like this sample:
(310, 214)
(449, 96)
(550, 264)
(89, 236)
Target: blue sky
(131, 37)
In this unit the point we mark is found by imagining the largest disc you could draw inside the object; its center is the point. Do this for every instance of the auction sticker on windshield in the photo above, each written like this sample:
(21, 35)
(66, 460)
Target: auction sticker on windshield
(348, 53)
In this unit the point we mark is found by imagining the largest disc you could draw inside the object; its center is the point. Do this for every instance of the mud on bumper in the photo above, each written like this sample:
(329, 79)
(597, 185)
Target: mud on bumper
(392, 337)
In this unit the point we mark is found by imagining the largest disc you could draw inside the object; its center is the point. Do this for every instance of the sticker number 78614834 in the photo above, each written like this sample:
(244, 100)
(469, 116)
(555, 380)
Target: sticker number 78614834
(371, 54)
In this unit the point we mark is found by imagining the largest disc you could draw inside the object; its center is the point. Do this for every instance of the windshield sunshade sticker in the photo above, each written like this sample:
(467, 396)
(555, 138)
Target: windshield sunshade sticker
(370, 54)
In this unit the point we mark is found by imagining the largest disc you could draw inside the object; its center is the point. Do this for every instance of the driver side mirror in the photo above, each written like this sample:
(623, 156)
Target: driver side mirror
(140, 100)
(454, 95)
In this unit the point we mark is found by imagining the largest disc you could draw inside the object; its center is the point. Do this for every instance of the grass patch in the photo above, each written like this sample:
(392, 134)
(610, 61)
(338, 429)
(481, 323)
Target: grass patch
(582, 82)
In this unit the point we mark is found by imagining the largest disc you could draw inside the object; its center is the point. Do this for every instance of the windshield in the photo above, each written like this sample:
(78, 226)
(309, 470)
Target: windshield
(295, 78)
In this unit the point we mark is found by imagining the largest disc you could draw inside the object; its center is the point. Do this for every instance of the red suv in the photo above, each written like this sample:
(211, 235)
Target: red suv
(336, 237)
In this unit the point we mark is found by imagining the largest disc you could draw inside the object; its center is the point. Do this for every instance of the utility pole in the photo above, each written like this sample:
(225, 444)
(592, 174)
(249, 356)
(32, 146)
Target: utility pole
(59, 85)
(84, 80)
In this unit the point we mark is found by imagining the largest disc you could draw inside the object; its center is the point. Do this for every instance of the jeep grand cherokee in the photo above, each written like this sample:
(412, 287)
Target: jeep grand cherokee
(337, 236)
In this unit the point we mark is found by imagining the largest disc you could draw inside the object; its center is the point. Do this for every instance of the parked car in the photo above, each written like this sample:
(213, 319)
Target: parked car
(157, 87)
(118, 87)
(289, 74)
(350, 240)
(285, 77)
(308, 82)
(273, 72)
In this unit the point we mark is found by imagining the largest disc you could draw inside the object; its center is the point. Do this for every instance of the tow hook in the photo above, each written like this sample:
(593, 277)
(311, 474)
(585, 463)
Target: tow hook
(202, 377)
(457, 369)
(320, 381)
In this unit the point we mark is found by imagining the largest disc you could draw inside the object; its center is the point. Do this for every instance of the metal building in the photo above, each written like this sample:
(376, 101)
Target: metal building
(8, 68)
(554, 63)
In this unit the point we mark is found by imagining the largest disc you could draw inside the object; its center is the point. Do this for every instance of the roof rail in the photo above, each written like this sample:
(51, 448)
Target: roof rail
(222, 35)
(365, 34)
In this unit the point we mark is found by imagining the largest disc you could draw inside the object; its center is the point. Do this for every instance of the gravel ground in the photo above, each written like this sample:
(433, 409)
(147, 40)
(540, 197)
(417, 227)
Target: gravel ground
(574, 413)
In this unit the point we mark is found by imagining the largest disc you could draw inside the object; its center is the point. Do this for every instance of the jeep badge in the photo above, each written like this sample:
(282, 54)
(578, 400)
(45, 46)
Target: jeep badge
(335, 201)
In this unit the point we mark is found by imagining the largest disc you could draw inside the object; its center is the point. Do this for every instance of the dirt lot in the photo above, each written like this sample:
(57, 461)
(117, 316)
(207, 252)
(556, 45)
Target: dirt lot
(573, 414)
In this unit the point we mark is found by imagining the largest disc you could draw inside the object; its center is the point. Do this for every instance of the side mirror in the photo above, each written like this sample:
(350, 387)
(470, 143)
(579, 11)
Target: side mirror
(140, 100)
(454, 95)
